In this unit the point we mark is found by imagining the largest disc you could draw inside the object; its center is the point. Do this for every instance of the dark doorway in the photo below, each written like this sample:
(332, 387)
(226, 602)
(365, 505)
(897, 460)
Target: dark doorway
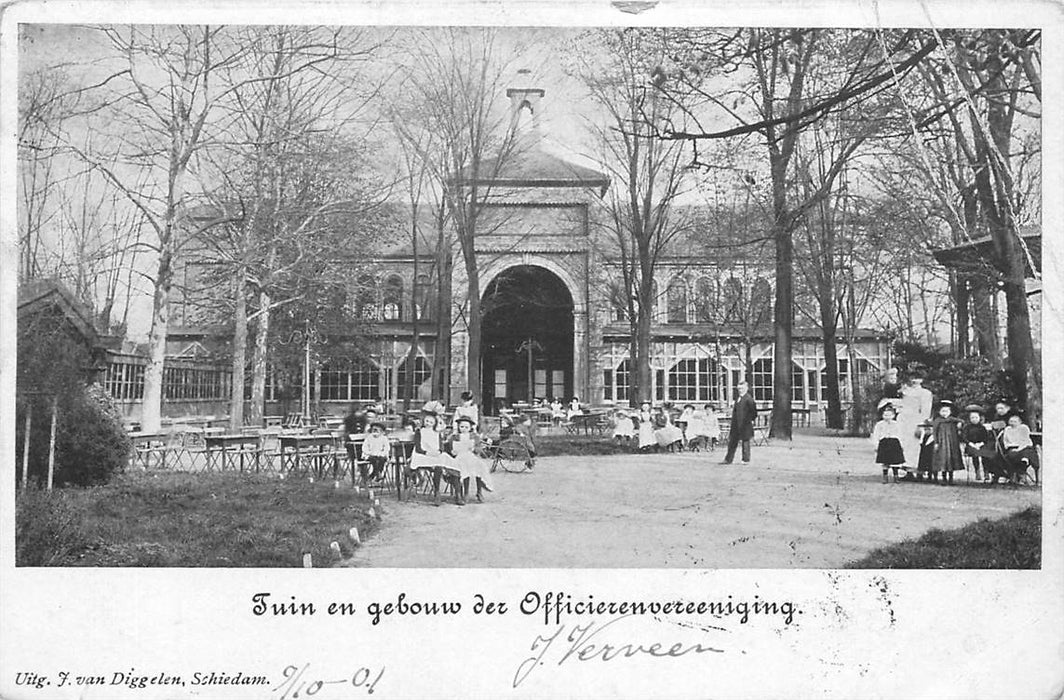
(526, 307)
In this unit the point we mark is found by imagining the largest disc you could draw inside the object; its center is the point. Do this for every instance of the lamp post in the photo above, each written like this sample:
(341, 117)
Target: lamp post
(529, 345)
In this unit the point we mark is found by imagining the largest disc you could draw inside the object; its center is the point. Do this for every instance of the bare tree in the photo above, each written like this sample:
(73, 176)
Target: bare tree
(774, 95)
(453, 80)
(647, 174)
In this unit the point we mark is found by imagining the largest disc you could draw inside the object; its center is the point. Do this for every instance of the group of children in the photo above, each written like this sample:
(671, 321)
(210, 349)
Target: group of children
(693, 429)
(452, 458)
(999, 448)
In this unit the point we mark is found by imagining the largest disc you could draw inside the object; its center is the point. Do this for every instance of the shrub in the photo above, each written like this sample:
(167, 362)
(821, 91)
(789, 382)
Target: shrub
(48, 529)
(962, 380)
(91, 443)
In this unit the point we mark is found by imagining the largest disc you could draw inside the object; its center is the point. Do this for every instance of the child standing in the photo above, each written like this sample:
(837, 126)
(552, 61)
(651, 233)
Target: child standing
(623, 429)
(974, 439)
(464, 450)
(946, 441)
(522, 431)
(375, 450)
(886, 436)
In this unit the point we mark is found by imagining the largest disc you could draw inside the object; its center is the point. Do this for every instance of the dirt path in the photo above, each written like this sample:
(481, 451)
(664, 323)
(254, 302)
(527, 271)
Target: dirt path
(815, 503)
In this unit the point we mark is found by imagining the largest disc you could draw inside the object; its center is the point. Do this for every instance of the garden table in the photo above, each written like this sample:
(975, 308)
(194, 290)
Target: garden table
(295, 449)
(229, 450)
(147, 446)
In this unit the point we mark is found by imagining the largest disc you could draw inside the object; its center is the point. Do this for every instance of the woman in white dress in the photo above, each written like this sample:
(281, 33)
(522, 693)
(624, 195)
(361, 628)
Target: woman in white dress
(913, 409)
(646, 427)
(466, 409)
(464, 446)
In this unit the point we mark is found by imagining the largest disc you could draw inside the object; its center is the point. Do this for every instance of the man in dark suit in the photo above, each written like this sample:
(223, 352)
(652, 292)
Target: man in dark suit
(742, 424)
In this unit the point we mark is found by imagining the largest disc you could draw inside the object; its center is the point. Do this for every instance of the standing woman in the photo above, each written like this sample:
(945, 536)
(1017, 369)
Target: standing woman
(647, 439)
(914, 409)
(467, 409)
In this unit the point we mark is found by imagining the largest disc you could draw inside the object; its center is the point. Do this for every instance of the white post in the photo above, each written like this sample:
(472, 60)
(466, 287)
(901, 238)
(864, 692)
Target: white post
(51, 443)
(306, 379)
(26, 446)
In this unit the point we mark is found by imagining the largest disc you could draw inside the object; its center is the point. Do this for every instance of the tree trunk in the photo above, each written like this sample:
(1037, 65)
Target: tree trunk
(258, 362)
(239, 349)
(833, 416)
(473, 328)
(984, 323)
(151, 406)
(443, 312)
(784, 306)
(640, 370)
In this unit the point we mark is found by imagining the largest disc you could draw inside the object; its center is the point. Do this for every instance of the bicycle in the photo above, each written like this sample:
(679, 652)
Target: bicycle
(509, 453)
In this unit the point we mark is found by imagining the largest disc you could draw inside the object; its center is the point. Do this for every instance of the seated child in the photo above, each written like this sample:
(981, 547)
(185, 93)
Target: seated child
(1019, 448)
(623, 428)
(429, 455)
(668, 436)
(557, 410)
(574, 408)
(375, 450)
(463, 448)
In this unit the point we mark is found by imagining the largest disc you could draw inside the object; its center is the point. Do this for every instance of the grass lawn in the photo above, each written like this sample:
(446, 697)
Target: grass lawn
(1013, 542)
(190, 519)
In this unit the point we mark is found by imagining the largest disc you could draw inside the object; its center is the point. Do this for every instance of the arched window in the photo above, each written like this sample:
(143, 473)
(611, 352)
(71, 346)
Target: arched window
(365, 295)
(677, 301)
(393, 298)
(422, 308)
(414, 375)
(705, 300)
(733, 300)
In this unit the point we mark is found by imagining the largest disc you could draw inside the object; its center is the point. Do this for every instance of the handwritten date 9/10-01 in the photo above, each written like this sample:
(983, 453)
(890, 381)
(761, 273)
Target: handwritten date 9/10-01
(299, 682)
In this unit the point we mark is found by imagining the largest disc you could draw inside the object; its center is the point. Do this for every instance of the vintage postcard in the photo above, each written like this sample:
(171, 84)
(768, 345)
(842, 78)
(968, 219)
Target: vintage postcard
(530, 349)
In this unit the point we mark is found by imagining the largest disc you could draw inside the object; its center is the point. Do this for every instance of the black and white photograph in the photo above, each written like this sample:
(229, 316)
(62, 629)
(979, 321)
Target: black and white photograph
(641, 294)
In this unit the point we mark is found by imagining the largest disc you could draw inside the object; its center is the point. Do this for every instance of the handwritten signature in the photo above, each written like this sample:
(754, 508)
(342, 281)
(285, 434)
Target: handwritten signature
(587, 643)
(297, 682)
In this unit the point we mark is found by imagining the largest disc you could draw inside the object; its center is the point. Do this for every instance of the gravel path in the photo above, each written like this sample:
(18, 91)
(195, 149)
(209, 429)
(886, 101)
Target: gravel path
(817, 502)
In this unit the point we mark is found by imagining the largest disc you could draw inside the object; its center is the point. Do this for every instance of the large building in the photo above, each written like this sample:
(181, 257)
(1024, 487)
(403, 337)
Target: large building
(552, 326)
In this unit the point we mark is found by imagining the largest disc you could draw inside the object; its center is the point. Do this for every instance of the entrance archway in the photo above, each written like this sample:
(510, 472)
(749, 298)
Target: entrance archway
(527, 337)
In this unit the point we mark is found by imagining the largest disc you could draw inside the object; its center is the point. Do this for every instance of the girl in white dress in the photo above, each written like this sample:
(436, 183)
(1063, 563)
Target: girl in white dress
(429, 455)
(574, 407)
(623, 429)
(470, 466)
(646, 427)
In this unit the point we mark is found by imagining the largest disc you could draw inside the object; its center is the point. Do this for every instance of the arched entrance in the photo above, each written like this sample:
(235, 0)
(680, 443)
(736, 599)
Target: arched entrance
(527, 337)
